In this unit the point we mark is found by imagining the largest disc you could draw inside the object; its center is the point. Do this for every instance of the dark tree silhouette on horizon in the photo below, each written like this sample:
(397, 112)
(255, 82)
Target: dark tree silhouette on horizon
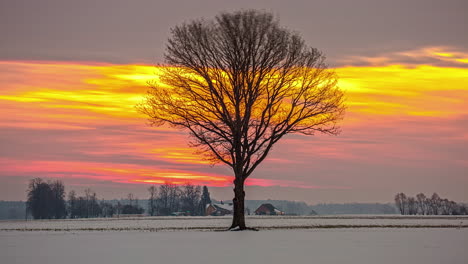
(152, 200)
(238, 84)
(46, 200)
(190, 198)
(204, 200)
(434, 205)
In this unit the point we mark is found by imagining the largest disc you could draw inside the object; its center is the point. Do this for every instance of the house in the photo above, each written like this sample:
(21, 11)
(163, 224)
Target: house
(268, 209)
(219, 209)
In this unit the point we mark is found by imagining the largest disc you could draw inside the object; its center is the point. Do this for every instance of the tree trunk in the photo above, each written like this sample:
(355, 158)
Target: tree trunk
(238, 220)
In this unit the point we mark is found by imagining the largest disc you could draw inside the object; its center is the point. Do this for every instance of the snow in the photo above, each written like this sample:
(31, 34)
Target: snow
(324, 246)
(228, 207)
(278, 211)
(261, 222)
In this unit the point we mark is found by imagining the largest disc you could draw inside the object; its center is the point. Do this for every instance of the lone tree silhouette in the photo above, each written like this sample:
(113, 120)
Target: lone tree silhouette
(238, 84)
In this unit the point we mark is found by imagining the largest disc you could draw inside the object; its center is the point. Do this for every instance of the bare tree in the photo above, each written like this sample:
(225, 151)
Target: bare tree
(447, 207)
(58, 203)
(412, 206)
(152, 200)
(238, 84)
(190, 198)
(163, 199)
(72, 204)
(428, 206)
(422, 203)
(130, 198)
(435, 203)
(174, 197)
(401, 203)
(88, 201)
(95, 209)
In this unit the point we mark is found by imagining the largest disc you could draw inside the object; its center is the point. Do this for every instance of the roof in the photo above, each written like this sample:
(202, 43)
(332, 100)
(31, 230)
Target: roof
(224, 206)
(269, 206)
(227, 207)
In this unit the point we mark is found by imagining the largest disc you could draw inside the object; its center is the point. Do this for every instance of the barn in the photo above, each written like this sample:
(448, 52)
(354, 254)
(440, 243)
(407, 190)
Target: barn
(219, 209)
(268, 209)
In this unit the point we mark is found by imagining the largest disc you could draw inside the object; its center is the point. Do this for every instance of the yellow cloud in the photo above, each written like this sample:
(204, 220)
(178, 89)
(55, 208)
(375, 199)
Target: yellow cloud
(113, 90)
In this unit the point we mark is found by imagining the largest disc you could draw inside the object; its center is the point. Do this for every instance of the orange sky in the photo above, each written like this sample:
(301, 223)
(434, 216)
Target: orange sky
(406, 122)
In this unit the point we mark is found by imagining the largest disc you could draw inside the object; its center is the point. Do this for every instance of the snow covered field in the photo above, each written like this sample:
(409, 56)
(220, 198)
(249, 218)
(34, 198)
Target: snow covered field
(282, 239)
(321, 246)
(215, 223)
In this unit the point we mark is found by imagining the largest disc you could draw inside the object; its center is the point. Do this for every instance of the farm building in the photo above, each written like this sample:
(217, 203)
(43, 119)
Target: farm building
(268, 209)
(219, 209)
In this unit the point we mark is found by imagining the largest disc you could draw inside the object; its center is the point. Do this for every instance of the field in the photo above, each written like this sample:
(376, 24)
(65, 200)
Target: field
(221, 223)
(322, 239)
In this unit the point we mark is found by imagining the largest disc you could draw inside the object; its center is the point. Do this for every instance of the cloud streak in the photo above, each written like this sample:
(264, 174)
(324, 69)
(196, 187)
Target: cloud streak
(407, 114)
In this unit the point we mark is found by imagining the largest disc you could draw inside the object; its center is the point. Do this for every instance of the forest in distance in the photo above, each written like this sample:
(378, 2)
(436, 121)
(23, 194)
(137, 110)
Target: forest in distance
(17, 209)
(50, 198)
(434, 205)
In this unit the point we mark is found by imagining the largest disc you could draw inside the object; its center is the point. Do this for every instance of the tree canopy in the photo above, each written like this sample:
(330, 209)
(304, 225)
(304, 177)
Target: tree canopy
(238, 84)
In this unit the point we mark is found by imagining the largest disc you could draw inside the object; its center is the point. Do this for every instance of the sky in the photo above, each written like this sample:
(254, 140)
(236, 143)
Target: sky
(71, 73)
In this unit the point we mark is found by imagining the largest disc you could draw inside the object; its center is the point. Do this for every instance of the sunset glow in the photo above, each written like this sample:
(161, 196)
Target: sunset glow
(78, 120)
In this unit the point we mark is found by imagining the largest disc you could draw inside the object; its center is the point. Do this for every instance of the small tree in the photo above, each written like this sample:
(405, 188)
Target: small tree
(72, 204)
(46, 199)
(422, 203)
(190, 198)
(204, 200)
(59, 206)
(87, 204)
(412, 206)
(435, 203)
(163, 199)
(107, 209)
(401, 203)
(95, 209)
(39, 199)
(152, 200)
(174, 198)
(239, 84)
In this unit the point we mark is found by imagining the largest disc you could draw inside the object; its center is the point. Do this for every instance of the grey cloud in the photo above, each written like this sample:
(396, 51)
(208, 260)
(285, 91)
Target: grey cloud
(135, 31)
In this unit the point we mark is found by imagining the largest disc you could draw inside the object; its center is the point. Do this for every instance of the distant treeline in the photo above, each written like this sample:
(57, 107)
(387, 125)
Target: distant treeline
(171, 199)
(355, 208)
(301, 208)
(46, 200)
(12, 210)
(422, 205)
(16, 210)
(88, 206)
